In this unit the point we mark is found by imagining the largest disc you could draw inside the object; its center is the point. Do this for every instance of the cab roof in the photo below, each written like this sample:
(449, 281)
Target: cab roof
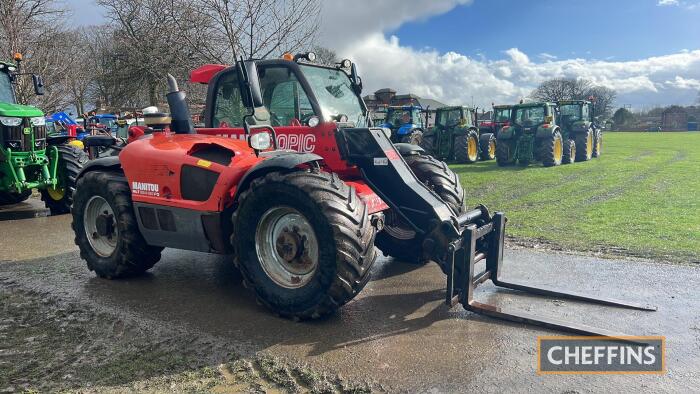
(535, 104)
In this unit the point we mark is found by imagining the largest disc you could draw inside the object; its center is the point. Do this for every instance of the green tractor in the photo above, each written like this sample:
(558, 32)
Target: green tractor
(576, 118)
(29, 159)
(455, 137)
(534, 135)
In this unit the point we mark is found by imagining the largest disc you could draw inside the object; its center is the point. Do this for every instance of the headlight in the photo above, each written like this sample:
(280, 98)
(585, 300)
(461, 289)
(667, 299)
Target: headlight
(10, 121)
(38, 121)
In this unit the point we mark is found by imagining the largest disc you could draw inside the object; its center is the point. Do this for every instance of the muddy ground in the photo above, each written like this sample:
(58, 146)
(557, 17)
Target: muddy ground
(189, 326)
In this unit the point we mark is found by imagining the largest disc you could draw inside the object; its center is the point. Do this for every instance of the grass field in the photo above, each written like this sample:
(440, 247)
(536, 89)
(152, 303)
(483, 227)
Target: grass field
(640, 198)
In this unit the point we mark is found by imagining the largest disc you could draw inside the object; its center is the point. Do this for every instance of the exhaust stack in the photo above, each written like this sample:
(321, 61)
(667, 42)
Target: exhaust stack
(181, 122)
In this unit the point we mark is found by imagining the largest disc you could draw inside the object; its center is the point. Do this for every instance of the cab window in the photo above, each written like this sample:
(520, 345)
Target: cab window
(284, 96)
(228, 105)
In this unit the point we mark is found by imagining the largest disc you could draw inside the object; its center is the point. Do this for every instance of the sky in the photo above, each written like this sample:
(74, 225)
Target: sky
(459, 51)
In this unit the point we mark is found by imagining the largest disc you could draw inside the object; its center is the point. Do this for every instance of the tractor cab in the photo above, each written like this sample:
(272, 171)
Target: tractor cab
(572, 111)
(500, 117)
(405, 122)
(527, 118)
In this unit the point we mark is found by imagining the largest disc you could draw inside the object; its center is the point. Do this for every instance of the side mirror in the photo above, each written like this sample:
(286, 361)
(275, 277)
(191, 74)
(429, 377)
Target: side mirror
(355, 79)
(38, 84)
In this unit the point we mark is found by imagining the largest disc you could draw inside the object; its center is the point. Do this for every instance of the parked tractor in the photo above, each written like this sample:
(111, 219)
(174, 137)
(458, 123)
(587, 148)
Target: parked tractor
(406, 123)
(29, 159)
(534, 135)
(577, 122)
(295, 187)
(455, 137)
(500, 117)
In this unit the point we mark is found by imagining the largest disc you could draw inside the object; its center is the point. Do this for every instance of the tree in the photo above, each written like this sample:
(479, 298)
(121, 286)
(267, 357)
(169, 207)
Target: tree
(325, 56)
(35, 29)
(622, 117)
(576, 89)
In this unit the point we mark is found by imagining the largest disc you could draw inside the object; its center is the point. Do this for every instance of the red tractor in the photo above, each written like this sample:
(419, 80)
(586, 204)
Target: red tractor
(289, 180)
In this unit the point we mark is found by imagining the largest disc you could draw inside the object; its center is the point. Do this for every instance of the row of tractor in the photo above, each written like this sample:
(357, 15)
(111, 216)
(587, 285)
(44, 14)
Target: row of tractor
(288, 177)
(550, 133)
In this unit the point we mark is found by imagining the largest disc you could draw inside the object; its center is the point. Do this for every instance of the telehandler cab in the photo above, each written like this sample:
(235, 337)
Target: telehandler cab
(296, 187)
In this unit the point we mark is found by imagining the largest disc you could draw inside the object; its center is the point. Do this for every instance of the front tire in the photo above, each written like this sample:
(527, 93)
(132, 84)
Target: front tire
(467, 147)
(598, 144)
(106, 228)
(584, 145)
(397, 239)
(569, 151)
(415, 138)
(487, 145)
(428, 143)
(303, 242)
(59, 199)
(9, 198)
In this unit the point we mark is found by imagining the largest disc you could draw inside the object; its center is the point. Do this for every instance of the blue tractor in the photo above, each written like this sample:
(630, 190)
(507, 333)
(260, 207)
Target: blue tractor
(406, 124)
(61, 124)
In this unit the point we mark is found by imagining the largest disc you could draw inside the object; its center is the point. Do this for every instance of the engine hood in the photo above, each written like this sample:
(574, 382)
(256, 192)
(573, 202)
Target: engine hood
(18, 110)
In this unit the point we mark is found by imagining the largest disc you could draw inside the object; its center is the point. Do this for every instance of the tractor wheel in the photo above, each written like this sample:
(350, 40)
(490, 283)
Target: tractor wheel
(415, 138)
(584, 146)
(487, 146)
(569, 152)
(8, 198)
(400, 241)
(598, 144)
(428, 143)
(504, 153)
(70, 161)
(467, 147)
(305, 244)
(551, 149)
(106, 229)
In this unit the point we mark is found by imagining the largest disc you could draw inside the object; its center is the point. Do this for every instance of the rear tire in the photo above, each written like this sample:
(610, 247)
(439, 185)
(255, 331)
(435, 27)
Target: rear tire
(584, 145)
(551, 150)
(569, 152)
(70, 161)
(115, 229)
(504, 153)
(466, 147)
(9, 198)
(487, 145)
(318, 264)
(428, 143)
(397, 239)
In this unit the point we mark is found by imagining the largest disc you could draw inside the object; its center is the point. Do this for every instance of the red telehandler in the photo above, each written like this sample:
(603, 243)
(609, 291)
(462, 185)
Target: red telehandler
(288, 178)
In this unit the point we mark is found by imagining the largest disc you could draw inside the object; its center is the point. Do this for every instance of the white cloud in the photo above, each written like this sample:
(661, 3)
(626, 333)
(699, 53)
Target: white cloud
(667, 2)
(455, 78)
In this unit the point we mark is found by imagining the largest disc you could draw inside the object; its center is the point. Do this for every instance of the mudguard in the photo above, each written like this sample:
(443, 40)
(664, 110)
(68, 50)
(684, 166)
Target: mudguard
(408, 149)
(111, 163)
(405, 129)
(275, 161)
(506, 133)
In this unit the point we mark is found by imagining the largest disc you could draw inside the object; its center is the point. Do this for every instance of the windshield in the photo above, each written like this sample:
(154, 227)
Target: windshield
(398, 117)
(334, 93)
(501, 115)
(451, 117)
(529, 116)
(6, 95)
(570, 112)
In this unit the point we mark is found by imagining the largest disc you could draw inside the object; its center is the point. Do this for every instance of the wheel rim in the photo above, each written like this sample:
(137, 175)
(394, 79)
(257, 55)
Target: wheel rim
(492, 149)
(589, 146)
(100, 226)
(56, 193)
(287, 247)
(558, 150)
(471, 149)
(598, 145)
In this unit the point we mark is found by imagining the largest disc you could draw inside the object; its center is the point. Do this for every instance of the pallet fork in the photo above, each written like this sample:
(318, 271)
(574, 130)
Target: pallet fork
(456, 242)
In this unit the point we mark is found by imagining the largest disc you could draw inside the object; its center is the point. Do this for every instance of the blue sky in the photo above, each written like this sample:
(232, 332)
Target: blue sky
(500, 50)
(598, 29)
